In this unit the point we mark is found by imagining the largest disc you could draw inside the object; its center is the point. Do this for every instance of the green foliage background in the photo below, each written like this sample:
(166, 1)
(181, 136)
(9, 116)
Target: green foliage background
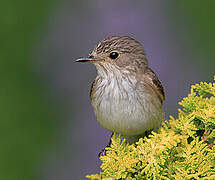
(193, 24)
(27, 120)
(182, 149)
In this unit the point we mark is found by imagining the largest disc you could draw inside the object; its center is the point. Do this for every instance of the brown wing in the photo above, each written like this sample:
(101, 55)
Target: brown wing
(154, 81)
(92, 89)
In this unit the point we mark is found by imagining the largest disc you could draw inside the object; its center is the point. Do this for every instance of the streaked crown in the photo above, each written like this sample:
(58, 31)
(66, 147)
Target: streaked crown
(122, 51)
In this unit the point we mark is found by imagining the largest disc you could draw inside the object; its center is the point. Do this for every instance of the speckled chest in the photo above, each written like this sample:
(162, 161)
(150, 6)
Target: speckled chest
(124, 105)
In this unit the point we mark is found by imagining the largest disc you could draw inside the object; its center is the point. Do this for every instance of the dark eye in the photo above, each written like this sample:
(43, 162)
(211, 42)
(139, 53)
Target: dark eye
(114, 55)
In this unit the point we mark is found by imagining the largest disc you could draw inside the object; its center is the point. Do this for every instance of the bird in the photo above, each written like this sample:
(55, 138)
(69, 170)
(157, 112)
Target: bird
(126, 95)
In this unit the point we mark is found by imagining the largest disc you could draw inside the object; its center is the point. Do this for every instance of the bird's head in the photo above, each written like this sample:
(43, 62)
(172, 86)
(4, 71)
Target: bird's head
(117, 52)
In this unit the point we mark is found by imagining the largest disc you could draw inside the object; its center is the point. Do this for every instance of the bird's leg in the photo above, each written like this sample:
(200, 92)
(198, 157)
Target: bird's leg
(133, 139)
(129, 139)
(103, 151)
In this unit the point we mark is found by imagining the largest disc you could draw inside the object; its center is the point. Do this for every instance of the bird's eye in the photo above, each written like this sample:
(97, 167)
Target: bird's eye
(114, 55)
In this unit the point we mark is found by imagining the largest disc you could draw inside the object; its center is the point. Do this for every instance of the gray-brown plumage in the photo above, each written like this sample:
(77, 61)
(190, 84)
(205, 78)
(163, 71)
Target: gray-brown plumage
(126, 95)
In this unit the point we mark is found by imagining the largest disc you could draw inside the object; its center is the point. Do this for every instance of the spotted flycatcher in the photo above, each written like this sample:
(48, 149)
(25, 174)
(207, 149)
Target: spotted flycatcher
(126, 95)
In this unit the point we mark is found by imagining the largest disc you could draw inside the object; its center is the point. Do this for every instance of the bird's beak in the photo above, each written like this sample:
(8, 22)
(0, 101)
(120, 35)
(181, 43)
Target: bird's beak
(88, 59)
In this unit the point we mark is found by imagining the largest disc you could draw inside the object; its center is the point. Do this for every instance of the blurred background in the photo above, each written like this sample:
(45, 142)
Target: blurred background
(47, 127)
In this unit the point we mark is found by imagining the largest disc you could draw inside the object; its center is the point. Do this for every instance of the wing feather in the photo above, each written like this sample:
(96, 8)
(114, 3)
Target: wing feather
(155, 83)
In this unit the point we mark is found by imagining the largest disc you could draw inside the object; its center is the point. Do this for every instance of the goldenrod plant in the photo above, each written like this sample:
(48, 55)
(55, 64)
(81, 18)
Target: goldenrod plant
(183, 148)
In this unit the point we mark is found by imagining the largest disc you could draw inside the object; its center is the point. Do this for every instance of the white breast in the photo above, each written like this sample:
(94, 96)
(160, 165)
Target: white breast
(123, 107)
